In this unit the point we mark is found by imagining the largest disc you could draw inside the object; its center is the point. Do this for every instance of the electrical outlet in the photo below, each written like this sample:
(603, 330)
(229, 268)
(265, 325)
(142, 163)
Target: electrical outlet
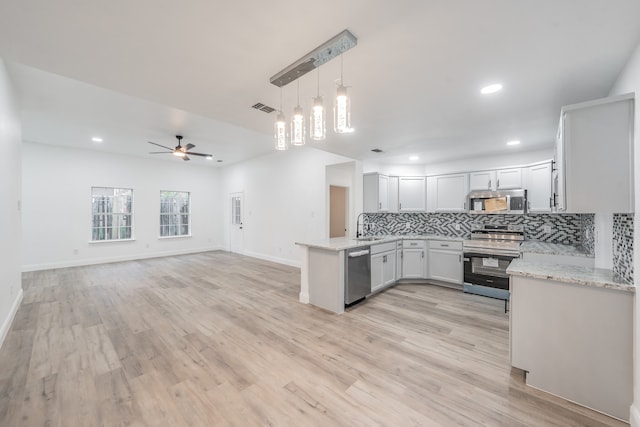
(456, 226)
(407, 226)
(546, 228)
(75, 252)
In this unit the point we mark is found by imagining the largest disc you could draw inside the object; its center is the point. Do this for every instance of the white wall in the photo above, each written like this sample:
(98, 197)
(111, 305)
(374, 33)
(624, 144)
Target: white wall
(10, 228)
(284, 201)
(57, 206)
(629, 81)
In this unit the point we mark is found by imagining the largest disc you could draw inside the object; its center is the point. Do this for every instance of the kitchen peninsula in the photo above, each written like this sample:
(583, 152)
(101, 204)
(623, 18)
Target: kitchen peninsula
(323, 267)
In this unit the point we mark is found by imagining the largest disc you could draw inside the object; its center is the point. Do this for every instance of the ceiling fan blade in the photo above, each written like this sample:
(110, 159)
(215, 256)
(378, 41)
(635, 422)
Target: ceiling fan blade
(159, 152)
(189, 146)
(168, 148)
(186, 158)
(199, 154)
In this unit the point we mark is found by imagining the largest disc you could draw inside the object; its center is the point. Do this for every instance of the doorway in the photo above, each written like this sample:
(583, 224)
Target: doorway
(337, 211)
(236, 233)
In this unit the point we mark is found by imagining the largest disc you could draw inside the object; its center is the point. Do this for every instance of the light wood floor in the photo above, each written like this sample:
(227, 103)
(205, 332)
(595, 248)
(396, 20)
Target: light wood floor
(220, 339)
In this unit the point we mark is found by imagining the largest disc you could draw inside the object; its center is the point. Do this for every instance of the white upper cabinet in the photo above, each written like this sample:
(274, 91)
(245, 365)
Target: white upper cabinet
(508, 179)
(537, 182)
(594, 154)
(376, 193)
(393, 194)
(482, 180)
(412, 194)
(448, 193)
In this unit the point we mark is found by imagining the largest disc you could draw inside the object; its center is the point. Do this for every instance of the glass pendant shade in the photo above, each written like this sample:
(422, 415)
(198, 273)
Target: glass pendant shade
(342, 111)
(280, 132)
(298, 131)
(317, 120)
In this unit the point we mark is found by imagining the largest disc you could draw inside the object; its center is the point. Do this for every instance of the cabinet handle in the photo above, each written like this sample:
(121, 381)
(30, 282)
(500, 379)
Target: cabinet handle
(422, 254)
(444, 246)
(464, 206)
(380, 205)
(489, 186)
(384, 258)
(400, 205)
(459, 258)
(529, 205)
(550, 202)
(498, 183)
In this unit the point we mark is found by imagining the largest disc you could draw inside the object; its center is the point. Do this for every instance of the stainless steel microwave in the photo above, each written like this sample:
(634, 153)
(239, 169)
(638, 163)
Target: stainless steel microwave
(498, 202)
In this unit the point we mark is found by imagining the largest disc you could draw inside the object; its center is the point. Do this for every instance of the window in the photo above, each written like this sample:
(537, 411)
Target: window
(112, 210)
(174, 214)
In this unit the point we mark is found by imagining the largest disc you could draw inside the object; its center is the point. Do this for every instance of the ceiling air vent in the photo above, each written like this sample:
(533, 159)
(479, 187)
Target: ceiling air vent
(260, 106)
(377, 150)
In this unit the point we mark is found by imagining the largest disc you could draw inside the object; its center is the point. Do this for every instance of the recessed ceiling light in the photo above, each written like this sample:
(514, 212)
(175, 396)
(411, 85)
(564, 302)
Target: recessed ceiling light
(209, 157)
(514, 142)
(96, 139)
(414, 158)
(491, 89)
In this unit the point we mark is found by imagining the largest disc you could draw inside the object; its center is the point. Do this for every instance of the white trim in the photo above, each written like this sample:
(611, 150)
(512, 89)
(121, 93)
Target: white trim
(82, 262)
(6, 325)
(634, 413)
(182, 236)
(112, 240)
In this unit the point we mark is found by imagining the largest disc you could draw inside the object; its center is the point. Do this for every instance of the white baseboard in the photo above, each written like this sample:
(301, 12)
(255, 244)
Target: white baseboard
(304, 298)
(634, 416)
(6, 325)
(93, 261)
(277, 260)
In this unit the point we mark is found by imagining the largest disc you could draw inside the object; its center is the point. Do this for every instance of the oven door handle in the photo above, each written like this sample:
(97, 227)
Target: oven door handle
(484, 255)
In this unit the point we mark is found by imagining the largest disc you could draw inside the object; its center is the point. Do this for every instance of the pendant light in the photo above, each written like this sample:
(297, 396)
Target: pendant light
(280, 129)
(342, 108)
(317, 119)
(298, 131)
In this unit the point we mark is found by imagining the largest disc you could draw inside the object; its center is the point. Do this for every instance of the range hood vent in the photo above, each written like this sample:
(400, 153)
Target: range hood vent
(260, 106)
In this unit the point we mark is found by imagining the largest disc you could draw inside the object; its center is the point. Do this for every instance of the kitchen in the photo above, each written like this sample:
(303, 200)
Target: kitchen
(285, 194)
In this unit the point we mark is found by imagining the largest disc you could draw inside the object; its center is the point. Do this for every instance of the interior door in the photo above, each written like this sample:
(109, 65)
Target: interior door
(236, 233)
(337, 211)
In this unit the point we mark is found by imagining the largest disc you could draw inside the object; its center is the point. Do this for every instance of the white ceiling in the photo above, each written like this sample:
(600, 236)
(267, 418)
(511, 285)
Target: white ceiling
(149, 69)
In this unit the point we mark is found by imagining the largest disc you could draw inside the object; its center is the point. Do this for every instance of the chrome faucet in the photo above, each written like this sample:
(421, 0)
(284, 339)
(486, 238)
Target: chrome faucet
(358, 234)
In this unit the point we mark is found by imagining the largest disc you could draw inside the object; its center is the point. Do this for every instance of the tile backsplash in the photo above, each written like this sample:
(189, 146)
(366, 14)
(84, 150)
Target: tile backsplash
(623, 246)
(570, 229)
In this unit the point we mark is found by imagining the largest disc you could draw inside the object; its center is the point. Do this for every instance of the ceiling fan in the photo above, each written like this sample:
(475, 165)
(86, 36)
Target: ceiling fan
(180, 151)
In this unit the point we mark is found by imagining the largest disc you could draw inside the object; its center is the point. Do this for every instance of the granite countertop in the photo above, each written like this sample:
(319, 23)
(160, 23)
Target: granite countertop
(537, 247)
(588, 276)
(342, 243)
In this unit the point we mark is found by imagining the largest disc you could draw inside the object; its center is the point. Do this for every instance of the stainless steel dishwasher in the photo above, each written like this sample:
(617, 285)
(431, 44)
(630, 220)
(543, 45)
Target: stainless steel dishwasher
(357, 275)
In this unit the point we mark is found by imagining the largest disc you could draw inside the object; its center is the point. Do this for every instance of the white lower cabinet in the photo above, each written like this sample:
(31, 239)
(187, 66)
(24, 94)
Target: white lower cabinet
(445, 261)
(414, 259)
(383, 265)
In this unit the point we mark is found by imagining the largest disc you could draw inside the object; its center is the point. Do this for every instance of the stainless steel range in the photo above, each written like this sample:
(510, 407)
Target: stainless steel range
(487, 255)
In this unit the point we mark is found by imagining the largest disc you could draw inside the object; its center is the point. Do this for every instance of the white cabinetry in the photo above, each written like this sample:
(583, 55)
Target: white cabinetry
(448, 193)
(393, 194)
(482, 180)
(383, 265)
(537, 182)
(508, 179)
(594, 157)
(399, 260)
(376, 193)
(445, 261)
(414, 261)
(412, 194)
